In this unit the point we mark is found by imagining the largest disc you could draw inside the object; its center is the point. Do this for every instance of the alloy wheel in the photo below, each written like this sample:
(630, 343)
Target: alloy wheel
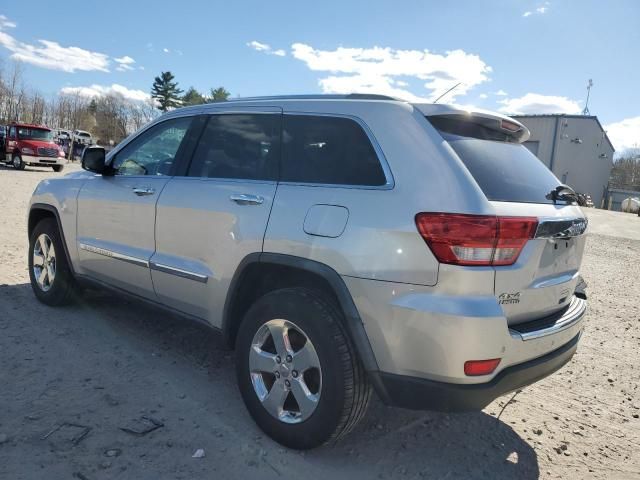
(44, 262)
(285, 371)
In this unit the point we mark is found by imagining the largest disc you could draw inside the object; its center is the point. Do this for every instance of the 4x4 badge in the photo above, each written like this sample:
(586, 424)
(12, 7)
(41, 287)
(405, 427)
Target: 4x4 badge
(509, 298)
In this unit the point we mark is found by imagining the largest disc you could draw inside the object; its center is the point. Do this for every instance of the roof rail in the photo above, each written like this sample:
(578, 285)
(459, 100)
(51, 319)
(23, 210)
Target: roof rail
(349, 96)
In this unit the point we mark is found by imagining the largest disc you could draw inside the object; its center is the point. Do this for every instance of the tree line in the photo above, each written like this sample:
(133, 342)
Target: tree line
(168, 95)
(626, 171)
(109, 117)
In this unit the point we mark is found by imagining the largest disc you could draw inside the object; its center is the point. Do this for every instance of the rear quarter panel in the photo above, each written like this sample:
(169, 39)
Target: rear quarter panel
(380, 240)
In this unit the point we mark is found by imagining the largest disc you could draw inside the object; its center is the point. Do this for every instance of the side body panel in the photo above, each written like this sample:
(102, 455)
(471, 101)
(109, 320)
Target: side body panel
(206, 226)
(203, 234)
(116, 230)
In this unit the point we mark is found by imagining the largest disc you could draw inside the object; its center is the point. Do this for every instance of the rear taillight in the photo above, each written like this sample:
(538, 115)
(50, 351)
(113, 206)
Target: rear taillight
(461, 239)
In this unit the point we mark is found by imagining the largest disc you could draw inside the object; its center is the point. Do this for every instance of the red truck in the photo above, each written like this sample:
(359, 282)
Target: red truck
(32, 145)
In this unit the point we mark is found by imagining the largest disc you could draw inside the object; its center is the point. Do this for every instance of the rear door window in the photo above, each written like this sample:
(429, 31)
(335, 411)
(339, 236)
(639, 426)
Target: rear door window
(328, 150)
(238, 146)
(505, 171)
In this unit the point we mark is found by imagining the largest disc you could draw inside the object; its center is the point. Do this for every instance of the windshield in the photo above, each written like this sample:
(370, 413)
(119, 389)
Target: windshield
(25, 133)
(506, 172)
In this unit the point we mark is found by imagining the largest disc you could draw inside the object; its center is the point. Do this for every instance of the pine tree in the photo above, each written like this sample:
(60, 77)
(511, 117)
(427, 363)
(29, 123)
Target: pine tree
(166, 92)
(192, 97)
(219, 94)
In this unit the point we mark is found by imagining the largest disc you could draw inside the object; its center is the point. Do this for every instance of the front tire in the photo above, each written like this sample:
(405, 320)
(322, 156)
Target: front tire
(297, 371)
(49, 271)
(57, 168)
(17, 162)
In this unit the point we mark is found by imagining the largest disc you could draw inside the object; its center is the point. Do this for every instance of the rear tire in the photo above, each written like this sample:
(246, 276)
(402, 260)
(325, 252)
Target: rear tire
(335, 393)
(49, 272)
(57, 168)
(17, 162)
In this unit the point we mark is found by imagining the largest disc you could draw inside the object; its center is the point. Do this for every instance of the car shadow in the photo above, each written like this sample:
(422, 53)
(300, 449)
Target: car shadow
(27, 169)
(388, 443)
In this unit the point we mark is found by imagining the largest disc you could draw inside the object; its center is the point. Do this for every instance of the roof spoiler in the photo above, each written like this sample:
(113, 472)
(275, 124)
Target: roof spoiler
(515, 130)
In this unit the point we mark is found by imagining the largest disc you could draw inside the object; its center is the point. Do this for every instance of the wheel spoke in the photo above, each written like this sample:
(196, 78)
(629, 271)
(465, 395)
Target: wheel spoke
(43, 276)
(44, 248)
(280, 335)
(50, 274)
(274, 400)
(306, 358)
(261, 361)
(38, 259)
(307, 401)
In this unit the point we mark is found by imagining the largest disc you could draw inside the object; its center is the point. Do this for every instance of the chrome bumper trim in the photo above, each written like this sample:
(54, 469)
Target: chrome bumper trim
(571, 317)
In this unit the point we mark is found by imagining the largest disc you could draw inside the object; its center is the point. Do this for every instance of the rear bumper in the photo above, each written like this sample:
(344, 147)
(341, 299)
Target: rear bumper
(422, 394)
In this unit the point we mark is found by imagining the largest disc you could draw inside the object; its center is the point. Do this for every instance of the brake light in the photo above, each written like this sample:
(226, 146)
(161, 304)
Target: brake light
(482, 240)
(473, 368)
(510, 126)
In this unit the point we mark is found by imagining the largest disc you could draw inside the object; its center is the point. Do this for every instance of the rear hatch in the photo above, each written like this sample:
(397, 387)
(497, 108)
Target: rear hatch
(545, 274)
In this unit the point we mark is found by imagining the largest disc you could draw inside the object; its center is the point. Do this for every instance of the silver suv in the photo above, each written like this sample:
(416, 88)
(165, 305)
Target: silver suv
(341, 244)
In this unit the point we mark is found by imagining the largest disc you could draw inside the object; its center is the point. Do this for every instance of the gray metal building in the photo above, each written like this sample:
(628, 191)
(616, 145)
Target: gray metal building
(575, 148)
(615, 196)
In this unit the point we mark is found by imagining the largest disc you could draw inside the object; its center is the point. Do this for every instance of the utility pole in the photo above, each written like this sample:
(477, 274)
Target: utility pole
(586, 104)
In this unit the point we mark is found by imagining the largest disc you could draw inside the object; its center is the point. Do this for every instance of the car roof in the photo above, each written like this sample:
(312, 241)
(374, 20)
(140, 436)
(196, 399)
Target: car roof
(29, 125)
(427, 109)
(293, 101)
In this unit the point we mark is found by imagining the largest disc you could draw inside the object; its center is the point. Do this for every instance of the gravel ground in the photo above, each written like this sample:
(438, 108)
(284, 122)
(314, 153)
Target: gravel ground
(95, 367)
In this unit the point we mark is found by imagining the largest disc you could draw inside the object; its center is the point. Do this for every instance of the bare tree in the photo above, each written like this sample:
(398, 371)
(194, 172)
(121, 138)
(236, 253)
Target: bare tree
(626, 171)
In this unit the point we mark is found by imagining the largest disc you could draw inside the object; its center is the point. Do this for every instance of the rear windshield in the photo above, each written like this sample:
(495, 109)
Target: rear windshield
(506, 172)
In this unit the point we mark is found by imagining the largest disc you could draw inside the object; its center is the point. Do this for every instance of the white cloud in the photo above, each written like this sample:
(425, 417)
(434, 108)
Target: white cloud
(51, 55)
(500, 93)
(533, 103)
(624, 134)
(126, 60)
(165, 50)
(101, 90)
(541, 10)
(124, 63)
(483, 96)
(372, 70)
(260, 47)
(6, 23)
(266, 48)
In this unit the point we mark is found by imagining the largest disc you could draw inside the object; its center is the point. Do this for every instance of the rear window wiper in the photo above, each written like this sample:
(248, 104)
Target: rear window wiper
(563, 192)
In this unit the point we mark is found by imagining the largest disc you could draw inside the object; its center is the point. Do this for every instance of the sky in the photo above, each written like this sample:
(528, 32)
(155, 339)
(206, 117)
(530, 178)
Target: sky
(517, 56)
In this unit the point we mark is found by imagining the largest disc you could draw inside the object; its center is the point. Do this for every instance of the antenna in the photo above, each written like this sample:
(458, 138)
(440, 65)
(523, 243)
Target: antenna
(455, 86)
(586, 104)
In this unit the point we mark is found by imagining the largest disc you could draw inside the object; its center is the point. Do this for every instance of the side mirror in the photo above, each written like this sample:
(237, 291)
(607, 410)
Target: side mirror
(93, 159)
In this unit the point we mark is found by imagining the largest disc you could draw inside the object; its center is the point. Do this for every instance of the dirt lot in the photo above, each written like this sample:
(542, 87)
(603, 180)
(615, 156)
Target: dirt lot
(105, 362)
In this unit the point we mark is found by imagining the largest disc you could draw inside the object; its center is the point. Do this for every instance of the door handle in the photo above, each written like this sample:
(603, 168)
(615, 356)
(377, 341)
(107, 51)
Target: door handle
(245, 199)
(141, 191)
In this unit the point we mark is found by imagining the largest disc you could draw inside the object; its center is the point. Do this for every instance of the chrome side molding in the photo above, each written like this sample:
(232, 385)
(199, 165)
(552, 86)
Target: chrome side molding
(197, 277)
(111, 254)
(561, 228)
